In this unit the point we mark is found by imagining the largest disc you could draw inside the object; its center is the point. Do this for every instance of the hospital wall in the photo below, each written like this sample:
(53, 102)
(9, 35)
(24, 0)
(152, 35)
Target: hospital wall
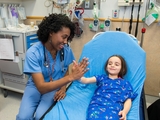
(35, 11)
(32, 9)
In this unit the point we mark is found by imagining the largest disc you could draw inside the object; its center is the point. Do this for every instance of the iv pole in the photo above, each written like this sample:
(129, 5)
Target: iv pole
(130, 27)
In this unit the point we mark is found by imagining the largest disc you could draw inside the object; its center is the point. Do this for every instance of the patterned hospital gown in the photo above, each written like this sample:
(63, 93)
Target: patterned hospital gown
(109, 98)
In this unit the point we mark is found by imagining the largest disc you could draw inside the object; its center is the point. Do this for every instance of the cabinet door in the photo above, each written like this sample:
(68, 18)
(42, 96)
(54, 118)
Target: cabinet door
(31, 40)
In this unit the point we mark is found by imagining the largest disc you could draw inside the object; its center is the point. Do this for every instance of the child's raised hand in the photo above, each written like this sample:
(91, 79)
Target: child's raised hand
(123, 115)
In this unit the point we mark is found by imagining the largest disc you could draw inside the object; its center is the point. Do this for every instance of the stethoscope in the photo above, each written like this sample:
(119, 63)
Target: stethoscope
(46, 64)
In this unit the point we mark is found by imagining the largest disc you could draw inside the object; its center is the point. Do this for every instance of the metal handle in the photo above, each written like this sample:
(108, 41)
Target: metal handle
(32, 38)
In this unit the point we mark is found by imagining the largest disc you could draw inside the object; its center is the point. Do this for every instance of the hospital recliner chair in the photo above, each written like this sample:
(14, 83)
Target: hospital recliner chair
(98, 50)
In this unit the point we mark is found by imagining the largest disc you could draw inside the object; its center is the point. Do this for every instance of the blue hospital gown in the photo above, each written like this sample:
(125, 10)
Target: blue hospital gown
(109, 98)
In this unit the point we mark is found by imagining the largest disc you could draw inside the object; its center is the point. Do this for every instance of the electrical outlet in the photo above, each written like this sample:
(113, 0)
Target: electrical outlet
(86, 4)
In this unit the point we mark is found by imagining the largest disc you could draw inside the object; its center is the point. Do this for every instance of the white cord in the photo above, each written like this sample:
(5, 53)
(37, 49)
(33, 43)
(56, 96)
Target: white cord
(49, 3)
(123, 16)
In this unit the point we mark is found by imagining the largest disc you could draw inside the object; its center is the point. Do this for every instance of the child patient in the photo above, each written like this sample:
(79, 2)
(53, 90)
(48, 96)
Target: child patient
(113, 97)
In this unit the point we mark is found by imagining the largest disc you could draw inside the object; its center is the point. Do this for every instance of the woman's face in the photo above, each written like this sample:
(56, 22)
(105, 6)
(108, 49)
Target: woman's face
(114, 66)
(59, 39)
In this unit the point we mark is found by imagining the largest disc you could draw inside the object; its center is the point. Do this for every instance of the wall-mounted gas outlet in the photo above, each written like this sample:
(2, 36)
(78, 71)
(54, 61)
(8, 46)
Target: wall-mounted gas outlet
(115, 13)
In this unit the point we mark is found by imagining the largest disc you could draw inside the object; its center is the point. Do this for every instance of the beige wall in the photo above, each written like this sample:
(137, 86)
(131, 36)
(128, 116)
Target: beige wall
(151, 44)
(152, 47)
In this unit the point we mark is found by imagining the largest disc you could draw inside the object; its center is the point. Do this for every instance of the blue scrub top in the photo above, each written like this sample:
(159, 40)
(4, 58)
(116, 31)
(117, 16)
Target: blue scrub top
(34, 62)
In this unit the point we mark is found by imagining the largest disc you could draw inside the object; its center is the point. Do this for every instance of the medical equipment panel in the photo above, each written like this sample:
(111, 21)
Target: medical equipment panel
(129, 2)
(12, 77)
(88, 4)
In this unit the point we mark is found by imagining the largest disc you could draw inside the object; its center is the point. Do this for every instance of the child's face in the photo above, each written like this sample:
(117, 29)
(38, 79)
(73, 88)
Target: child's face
(114, 66)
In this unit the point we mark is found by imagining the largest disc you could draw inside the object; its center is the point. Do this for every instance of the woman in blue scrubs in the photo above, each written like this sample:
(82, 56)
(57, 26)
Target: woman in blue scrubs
(46, 64)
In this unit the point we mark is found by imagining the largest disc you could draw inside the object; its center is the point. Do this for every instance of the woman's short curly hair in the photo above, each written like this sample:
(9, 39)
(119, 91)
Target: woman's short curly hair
(54, 23)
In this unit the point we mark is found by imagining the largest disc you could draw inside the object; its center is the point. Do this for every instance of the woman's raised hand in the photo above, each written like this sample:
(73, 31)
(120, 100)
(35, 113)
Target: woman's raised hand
(79, 69)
